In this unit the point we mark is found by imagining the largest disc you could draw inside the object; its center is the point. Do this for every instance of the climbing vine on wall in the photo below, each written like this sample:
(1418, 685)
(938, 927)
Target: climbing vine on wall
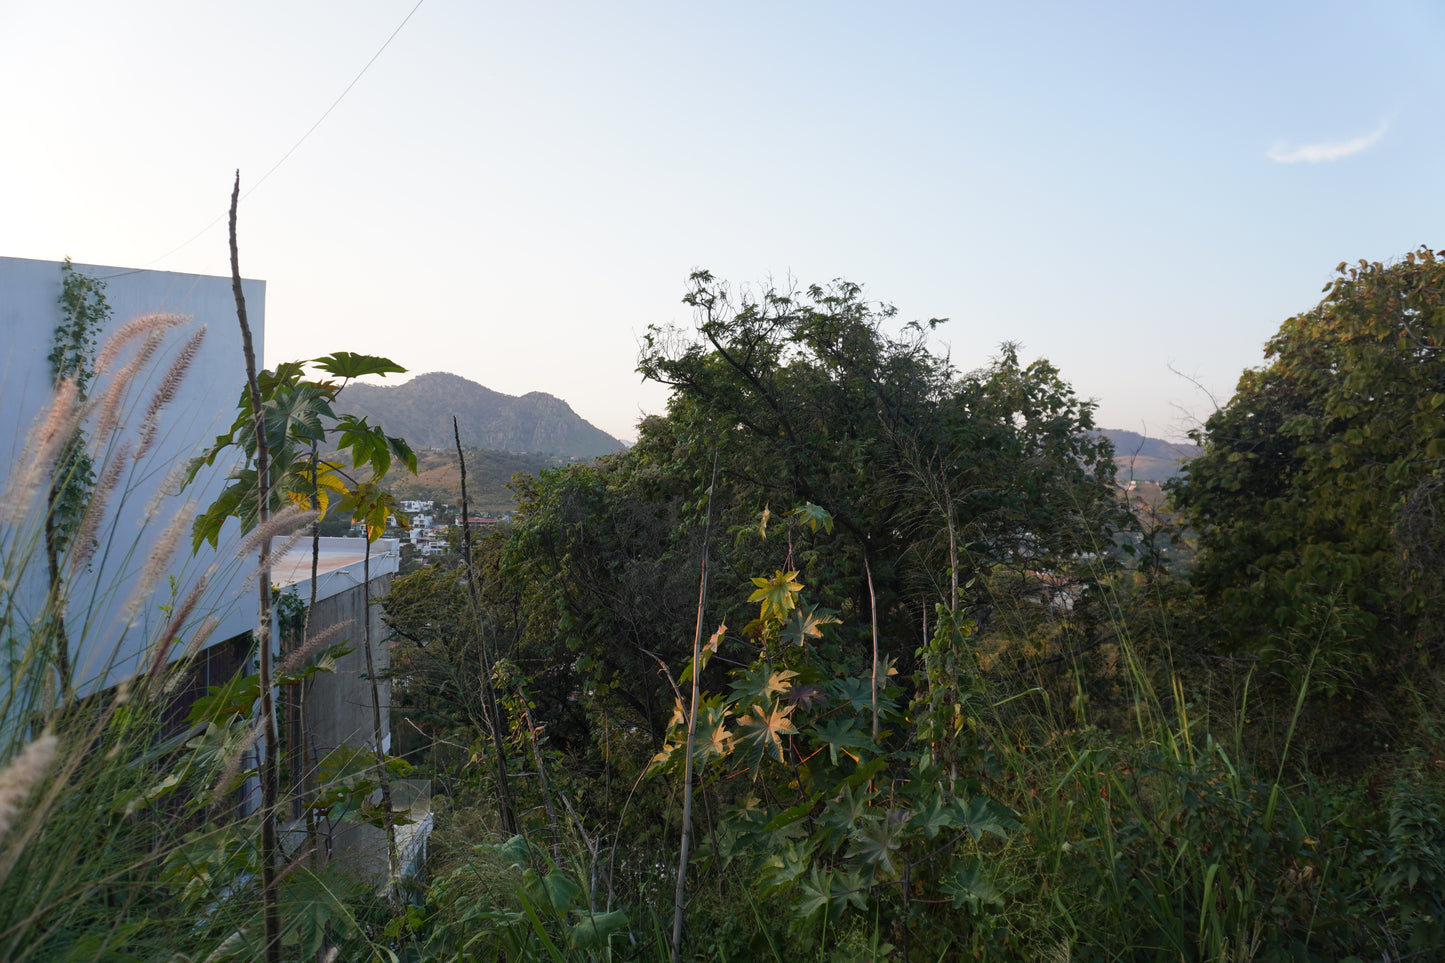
(83, 312)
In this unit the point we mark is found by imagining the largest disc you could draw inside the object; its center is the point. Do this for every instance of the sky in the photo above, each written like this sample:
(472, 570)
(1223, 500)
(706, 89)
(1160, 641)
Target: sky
(1139, 192)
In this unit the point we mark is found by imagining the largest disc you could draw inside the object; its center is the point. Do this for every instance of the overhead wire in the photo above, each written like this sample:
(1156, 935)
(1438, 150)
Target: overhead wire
(284, 157)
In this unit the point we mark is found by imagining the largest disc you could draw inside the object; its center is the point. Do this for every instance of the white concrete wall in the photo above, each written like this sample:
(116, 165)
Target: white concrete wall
(111, 646)
(339, 702)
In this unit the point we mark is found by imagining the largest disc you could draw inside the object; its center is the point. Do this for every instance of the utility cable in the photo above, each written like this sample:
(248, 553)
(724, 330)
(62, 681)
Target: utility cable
(311, 130)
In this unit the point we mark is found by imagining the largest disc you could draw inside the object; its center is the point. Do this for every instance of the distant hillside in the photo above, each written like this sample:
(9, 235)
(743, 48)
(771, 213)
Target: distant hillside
(1145, 458)
(421, 411)
(439, 477)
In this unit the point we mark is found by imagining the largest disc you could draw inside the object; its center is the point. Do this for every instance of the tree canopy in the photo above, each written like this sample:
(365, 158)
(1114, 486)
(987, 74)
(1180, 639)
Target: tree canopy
(1305, 491)
(935, 479)
(973, 491)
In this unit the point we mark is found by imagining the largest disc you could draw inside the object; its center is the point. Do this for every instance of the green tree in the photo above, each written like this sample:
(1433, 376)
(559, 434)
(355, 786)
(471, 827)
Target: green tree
(935, 480)
(284, 420)
(809, 398)
(297, 411)
(1301, 493)
(597, 579)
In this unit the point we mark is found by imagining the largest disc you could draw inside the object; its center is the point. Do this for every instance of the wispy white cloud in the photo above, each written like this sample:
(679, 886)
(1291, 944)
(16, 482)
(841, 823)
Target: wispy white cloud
(1328, 150)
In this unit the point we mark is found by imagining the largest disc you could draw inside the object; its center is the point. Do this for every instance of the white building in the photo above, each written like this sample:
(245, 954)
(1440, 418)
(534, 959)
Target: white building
(117, 598)
(109, 621)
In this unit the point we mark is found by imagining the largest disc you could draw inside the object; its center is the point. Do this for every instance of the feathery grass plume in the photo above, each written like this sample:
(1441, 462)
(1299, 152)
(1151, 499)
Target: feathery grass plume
(287, 521)
(128, 332)
(85, 542)
(21, 775)
(197, 642)
(233, 764)
(302, 532)
(110, 406)
(293, 523)
(160, 558)
(178, 618)
(202, 633)
(164, 394)
(169, 487)
(48, 437)
(297, 658)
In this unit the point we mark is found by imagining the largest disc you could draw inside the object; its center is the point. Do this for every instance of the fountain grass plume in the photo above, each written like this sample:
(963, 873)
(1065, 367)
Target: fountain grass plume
(160, 559)
(20, 776)
(105, 487)
(288, 521)
(115, 834)
(166, 392)
(295, 660)
(49, 436)
(112, 404)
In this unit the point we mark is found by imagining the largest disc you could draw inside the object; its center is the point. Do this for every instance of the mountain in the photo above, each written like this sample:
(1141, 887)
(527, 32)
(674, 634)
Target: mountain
(421, 411)
(1147, 459)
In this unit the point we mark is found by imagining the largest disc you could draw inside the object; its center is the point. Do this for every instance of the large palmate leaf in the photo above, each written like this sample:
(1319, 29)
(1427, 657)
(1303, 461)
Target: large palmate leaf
(371, 446)
(712, 739)
(830, 892)
(761, 683)
(370, 504)
(847, 735)
(806, 623)
(778, 594)
(348, 364)
(850, 808)
(971, 886)
(814, 517)
(762, 732)
(983, 815)
(785, 864)
(876, 839)
(705, 655)
(320, 484)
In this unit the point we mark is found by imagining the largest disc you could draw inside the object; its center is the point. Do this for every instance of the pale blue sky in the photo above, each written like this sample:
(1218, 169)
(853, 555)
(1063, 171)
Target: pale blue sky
(512, 193)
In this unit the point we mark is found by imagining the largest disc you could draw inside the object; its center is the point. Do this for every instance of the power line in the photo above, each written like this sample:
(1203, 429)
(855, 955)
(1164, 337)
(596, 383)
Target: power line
(311, 130)
(335, 102)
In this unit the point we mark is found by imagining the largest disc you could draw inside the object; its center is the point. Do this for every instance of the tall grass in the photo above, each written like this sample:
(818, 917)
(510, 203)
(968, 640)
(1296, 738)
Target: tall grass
(121, 837)
(1165, 819)
(1159, 817)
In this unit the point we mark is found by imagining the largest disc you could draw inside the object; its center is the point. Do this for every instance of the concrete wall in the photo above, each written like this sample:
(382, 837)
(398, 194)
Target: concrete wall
(110, 630)
(339, 703)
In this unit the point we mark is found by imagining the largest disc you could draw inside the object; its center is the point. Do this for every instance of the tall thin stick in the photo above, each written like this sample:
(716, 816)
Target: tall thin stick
(269, 770)
(304, 784)
(542, 777)
(873, 614)
(679, 899)
(489, 695)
